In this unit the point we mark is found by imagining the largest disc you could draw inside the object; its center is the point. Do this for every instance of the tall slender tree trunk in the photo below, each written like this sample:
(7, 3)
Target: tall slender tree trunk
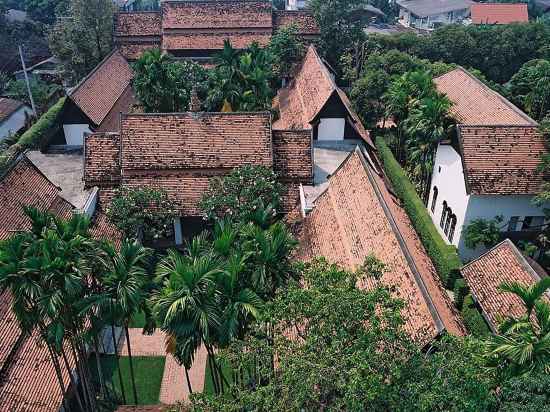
(131, 362)
(78, 396)
(83, 380)
(59, 375)
(213, 373)
(82, 351)
(115, 349)
(188, 381)
(99, 368)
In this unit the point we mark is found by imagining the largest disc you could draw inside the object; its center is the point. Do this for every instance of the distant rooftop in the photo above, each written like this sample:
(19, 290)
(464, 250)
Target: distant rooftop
(425, 8)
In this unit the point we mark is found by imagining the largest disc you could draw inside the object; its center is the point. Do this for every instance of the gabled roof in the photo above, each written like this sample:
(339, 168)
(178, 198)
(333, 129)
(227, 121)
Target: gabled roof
(425, 8)
(474, 103)
(499, 13)
(303, 19)
(353, 219)
(195, 140)
(138, 23)
(212, 40)
(8, 107)
(502, 160)
(302, 101)
(484, 275)
(216, 14)
(98, 92)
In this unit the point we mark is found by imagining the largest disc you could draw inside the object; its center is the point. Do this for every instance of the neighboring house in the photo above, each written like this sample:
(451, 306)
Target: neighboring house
(197, 29)
(357, 216)
(29, 382)
(429, 14)
(46, 70)
(313, 101)
(295, 4)
(489, 168)
(499, 13)
(181, 152)
(14, 116)
(96, 102)
(484, 275)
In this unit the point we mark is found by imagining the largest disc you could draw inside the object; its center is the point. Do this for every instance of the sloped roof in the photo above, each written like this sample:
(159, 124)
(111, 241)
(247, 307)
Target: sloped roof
(303, 19)
(425, 8)
(474, 103)
(138, 23)
(8, 107)
(212, 40)
(353, 219)
(102, 159)
(499, 13)
(98, 92)
(195, 140)
(484, 275)
(502, 160)
(210, 14)
(301, 102)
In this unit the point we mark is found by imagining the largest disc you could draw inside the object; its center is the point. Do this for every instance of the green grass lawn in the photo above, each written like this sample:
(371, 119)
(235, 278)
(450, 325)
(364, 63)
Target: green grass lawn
(148, 372)
(137, 321)
(208, 384)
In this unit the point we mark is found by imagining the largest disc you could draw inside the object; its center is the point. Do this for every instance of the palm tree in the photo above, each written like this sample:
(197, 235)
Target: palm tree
(523, 345)
(123, 286)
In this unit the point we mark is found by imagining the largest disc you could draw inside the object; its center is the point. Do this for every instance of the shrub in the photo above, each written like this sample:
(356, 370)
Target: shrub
(460, 292)
(444, 257)
(473, 320)
(37, 136)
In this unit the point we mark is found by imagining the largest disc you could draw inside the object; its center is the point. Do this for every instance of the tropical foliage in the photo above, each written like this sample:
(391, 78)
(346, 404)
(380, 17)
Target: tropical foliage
(248, 193)
(164, 85)
(287, 50)
(530, 88)
(484, 232)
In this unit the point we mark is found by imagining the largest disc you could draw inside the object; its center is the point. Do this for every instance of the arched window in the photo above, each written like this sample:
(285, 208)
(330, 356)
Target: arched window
(434, 198)
(448, 220)
(452, 229)
(443, 214)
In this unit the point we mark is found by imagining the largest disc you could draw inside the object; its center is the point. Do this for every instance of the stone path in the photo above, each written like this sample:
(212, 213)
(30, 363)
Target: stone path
(174, 385)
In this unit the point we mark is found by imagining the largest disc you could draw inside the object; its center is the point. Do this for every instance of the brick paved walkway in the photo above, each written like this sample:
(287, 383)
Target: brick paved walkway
(174, 386)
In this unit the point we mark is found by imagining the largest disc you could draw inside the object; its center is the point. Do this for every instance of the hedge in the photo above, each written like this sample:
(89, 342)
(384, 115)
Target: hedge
(475, 323)
(444, 257)
(36, 135)
(460, 291)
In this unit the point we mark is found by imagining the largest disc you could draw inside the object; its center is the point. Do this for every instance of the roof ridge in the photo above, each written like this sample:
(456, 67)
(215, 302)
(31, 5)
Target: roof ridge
(94, 70)
(194, 114)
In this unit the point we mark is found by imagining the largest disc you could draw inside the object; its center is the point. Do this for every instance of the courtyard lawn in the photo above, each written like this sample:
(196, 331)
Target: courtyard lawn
(148, 372)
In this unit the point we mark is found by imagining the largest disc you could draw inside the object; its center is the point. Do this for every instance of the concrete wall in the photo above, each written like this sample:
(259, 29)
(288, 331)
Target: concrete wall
(74, 133)
(15, 122)
(331, 129)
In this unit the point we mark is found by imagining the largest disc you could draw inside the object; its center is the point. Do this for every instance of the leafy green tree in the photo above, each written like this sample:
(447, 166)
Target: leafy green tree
(366, 93)
(530, 88)
(142, 211)
(43, 93)
(45, 11)
(287, 50)
(528, 393)
(484, 232)
(83, 38)
(164, 85)
(522, 345)
(241, 80)
(241, 194)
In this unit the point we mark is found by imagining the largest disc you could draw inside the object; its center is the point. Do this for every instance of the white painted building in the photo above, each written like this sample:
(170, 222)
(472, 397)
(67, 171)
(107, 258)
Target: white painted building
(489, 168)
(295, 4)
(429, 14)
(14, 116)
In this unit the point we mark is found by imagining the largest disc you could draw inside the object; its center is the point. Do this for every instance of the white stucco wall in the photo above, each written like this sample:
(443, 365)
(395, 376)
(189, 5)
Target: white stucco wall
(15, 122)
(331, 129)
(74, 133)
(448, 176)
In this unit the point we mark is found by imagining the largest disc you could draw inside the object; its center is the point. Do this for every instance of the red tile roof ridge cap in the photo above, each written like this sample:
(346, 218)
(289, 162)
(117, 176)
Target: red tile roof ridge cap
(22, 157)
(499, 126)
(522, 260)
(438, 321)
(323, 65)
(191, 114)
(95, 69)
(488, 89)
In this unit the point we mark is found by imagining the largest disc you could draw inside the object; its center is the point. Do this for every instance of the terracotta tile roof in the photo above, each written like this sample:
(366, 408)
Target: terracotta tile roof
(301, 102)
(476, 104)
(132, 408)
(195, 141)
(352, 219)
(9, 331)
(102, 159)
(100, 90)
(484, 275)
(213, 40)
(499, 13)
(209, 14)
(133, 51)
(501, 160)
(293, 155)
(8, 107)
(303, 19)
(138, 23)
